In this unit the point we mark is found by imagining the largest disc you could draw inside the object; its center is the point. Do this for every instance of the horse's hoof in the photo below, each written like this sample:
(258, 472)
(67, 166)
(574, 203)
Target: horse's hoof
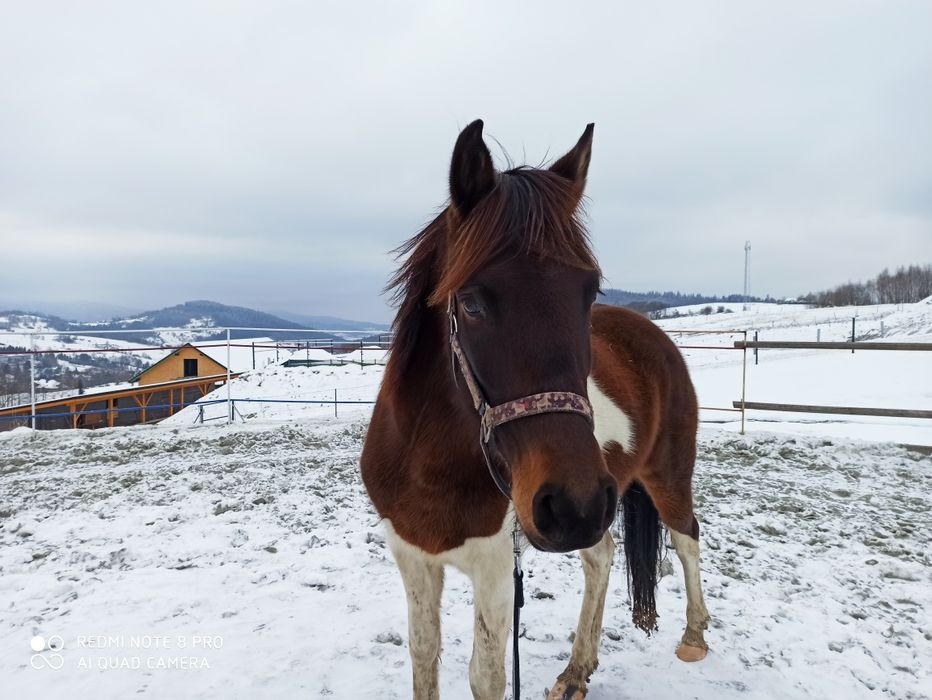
(689, 653)
(565, 691)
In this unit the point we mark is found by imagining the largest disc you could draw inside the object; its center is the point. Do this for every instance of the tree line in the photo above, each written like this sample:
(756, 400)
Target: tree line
(905, 286)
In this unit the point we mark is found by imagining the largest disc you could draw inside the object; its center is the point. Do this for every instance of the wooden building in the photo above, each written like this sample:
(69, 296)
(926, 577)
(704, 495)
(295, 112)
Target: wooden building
(106, 408)
(177, 380)
(187, 362)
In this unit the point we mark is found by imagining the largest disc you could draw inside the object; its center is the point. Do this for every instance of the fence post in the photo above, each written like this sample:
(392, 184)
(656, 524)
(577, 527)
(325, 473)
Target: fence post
(334, 403)
(755, 349)
(200, 414)
(852, 335)
(744, 378)
(818, 335)
(229, 372)
(881, 328)
(32, 377)
(253, 354)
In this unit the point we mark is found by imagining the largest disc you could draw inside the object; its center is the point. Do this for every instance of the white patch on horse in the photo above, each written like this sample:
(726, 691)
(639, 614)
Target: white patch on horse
(611, 423)
(488, 563)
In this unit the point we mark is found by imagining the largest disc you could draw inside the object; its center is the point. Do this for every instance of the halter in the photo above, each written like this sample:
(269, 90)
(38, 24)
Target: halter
(490, 418)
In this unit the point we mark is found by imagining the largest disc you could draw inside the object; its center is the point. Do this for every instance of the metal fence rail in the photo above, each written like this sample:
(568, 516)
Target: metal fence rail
(740, 406)
(338, 347)
(835, 410)
(178, 406)
(804, 345)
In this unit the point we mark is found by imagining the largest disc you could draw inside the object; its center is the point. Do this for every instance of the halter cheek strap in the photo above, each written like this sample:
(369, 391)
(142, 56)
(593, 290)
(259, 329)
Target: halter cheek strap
(494, 416)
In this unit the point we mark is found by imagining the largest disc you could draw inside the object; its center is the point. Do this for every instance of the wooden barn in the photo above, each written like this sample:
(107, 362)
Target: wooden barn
(187, 362)
(177, 380)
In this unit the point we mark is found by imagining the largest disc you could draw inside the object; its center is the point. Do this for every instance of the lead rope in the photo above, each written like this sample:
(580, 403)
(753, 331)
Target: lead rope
(518, 604)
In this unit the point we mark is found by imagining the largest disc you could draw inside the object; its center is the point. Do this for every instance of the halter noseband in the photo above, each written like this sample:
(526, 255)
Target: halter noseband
(493, 416)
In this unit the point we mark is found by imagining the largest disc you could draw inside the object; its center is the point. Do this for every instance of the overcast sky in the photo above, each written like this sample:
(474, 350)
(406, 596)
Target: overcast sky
(270, 154)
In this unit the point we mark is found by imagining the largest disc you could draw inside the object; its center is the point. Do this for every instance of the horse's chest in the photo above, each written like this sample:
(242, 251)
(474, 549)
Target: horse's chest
(474, 557)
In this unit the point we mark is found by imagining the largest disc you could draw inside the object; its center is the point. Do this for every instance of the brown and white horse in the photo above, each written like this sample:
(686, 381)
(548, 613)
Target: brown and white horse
(497, 303)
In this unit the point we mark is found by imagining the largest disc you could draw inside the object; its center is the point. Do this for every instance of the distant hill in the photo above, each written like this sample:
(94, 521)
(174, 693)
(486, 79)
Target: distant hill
(14, 319)
(649, 302)
(200, 319)
(331, 323)
(85, 311)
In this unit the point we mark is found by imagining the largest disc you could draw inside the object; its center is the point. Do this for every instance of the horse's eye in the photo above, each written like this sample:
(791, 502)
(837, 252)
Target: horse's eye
(471, 306)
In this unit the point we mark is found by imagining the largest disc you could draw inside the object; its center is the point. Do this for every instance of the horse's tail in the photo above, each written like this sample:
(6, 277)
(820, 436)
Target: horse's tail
(643, 544)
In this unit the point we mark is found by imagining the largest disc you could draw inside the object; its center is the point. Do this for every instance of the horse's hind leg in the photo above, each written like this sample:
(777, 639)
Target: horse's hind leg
(423, 581)
(693, 646)
(674, 502)
(597, 564)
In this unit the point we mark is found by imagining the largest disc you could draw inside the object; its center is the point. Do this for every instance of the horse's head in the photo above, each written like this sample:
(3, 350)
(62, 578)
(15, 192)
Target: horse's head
(520, 278)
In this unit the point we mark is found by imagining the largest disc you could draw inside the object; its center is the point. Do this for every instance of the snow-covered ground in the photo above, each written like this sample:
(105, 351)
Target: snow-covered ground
(245, 561)
(290, 393)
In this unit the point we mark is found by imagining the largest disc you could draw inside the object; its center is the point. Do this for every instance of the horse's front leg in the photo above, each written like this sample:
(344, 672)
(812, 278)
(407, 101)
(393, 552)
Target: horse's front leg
(597, 564)
(423, 581)
(493, 601)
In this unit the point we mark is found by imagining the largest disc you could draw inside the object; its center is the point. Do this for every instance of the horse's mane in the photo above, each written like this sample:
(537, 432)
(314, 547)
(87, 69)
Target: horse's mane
(528, 212)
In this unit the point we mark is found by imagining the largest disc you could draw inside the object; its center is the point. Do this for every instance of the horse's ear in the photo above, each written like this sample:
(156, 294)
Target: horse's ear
(575, 165)
(472, 175)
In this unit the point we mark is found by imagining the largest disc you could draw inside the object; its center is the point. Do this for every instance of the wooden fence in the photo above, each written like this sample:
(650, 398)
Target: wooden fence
(744, 405)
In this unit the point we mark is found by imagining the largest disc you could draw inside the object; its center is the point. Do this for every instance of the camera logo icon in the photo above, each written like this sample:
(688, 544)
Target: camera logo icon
(53, 660)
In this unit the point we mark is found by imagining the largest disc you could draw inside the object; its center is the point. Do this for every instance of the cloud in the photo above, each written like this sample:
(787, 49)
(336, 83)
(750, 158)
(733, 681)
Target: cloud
(298, 143)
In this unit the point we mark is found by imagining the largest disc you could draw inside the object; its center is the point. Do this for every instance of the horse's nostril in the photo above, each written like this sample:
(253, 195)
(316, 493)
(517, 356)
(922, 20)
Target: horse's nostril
(545, 518)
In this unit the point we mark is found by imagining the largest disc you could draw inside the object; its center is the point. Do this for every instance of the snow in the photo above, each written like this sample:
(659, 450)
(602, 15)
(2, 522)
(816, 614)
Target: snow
(260, 537)
(274, 387)
(73, 343)
(311, 355)
(882, 379)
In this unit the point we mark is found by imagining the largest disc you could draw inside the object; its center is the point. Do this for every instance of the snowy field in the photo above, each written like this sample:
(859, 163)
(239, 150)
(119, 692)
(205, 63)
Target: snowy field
(249, 561)
(244, 561)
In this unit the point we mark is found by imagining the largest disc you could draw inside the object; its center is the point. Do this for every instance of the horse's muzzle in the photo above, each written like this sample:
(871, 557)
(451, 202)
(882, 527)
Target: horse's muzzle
(564, 522)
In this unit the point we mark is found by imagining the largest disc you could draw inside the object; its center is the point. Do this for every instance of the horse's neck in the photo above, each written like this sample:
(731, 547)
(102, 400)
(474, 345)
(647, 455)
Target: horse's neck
(433, 389)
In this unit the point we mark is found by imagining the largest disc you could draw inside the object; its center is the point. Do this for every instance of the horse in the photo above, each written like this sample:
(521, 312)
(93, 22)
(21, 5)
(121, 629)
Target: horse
(512, 400)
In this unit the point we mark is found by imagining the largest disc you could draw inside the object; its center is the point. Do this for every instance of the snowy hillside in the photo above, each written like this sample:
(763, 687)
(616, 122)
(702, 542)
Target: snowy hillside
(812, 377)
(798, 322)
